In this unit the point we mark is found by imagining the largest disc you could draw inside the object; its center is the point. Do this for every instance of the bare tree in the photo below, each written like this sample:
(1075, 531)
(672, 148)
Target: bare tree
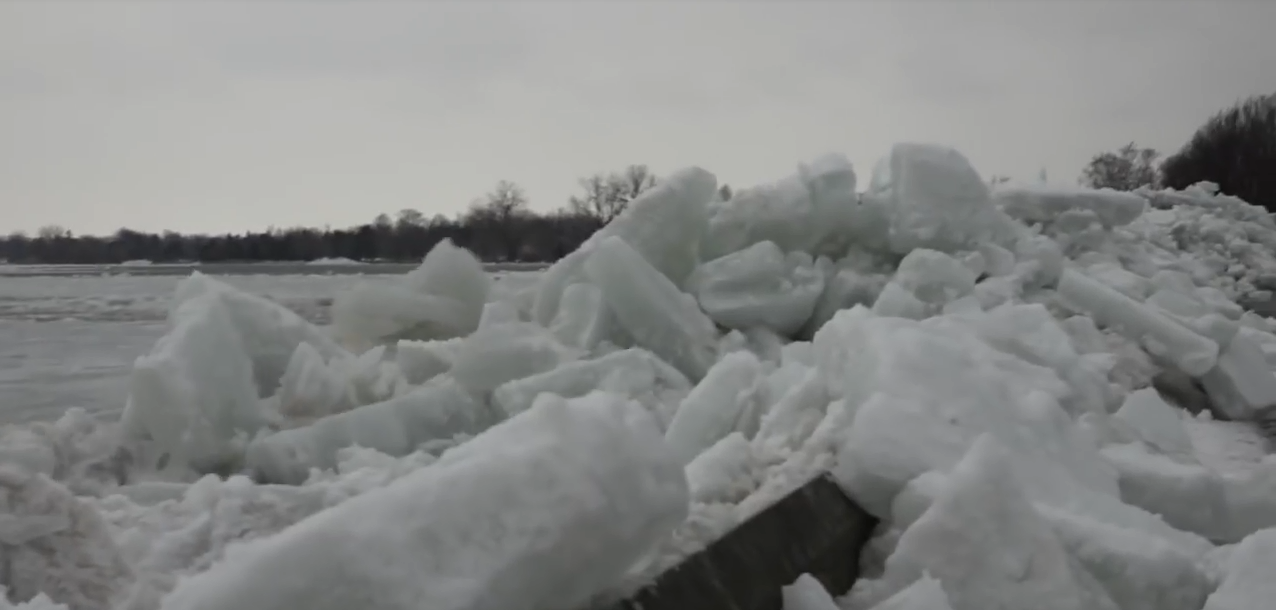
(607, 195)
(52, 232)
(410, 218)
(1129, 168)
(498, 215)
(505, 201)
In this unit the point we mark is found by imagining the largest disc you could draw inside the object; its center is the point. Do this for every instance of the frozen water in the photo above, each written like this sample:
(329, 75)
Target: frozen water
(925, 593)
(806, 593)
(1156, 422)
(651, 309)
(934, 199)
(759, 287)
(975, 368)
(470, 532)
(395, 427)
(664, 225)
(1249, 581)
(1164, 338)
(442, 298)
(990, 553)
(717, 405)
(1242, 384)
(1033, 203)
(809, 211)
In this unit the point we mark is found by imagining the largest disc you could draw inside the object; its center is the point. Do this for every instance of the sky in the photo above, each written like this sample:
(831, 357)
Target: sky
(235, 115)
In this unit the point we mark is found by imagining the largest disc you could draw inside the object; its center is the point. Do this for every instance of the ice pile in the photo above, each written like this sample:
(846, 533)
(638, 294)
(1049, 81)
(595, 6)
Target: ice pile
(974, 366)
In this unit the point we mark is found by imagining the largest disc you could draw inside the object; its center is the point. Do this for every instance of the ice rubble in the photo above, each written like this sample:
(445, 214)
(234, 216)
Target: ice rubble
(974, 366)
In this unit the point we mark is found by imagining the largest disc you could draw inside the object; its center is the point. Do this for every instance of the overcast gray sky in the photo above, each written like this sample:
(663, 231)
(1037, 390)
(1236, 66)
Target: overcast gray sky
(232, 115)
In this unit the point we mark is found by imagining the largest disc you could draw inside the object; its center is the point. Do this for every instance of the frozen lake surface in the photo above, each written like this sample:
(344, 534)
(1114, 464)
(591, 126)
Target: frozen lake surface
(69, 334)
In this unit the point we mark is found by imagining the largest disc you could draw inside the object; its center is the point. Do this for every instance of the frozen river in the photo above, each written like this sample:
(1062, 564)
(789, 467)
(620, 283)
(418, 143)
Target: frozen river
(69, 335)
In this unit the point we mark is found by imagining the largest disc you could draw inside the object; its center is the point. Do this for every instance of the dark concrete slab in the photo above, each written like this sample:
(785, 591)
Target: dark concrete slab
(816, 529)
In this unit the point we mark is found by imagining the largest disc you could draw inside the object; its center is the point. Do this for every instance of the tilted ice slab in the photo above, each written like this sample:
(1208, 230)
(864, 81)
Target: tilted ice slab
(442, 298)
(664, 225)
(759, 287)
(498, 522)
(651, 309)
(395, 427)
(988, 546)
(634, 372)
(269, 331)
(1163, 337)
(716, 406)
(192, 400)
(1033, 203)
(801, 212)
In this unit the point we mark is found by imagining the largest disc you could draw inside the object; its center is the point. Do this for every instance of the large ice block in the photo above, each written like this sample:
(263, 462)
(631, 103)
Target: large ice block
(759, 287)
(192, 399)
(497, 354)
(651, 309)
(1241, 386)
(800, 212)
(421, 361)
(269, 331)
(714, 408)
(643, 376)
(442, 298)
(1163, 337)
(1156, 422)
(1187, 496)
(842, 290)
(934, 199)
(1249, 575)
(1034, 203)
(1139, 572)
(542, 511)
(311, 387)
(989, 546)
(806, 593)
(583, 319)
(395, 427)
(665, 225)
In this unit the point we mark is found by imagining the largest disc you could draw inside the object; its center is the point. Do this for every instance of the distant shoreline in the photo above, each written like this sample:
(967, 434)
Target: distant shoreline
(239, 268)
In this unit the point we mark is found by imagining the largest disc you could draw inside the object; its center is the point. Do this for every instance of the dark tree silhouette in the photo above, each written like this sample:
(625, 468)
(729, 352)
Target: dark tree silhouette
(607, 195)
(1128, 168)
(1236, 149)
(499, 226)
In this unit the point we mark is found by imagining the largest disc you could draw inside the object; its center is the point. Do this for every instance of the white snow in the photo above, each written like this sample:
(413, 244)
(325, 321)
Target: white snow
(806, 593)
(1249, 579)
(975, 367)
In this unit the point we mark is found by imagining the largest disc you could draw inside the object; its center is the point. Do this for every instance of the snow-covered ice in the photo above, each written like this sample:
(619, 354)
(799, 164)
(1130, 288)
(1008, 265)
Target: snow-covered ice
(1030, 386)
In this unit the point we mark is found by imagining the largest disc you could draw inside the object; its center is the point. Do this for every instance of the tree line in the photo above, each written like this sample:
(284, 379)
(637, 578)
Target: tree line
(499, 226)
(1236, 148)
